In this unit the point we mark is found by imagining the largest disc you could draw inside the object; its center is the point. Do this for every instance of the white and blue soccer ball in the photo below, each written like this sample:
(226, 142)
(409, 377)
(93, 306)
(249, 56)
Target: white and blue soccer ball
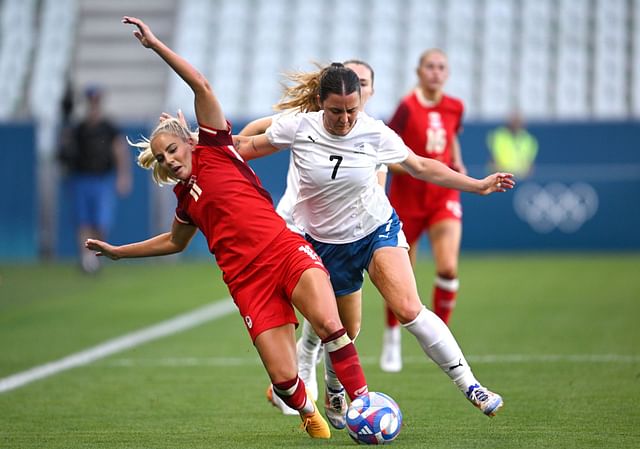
(374, 418)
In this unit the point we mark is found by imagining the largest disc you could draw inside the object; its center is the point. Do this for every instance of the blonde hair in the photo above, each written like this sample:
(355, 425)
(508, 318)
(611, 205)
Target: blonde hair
(148, 161)
(302, 95)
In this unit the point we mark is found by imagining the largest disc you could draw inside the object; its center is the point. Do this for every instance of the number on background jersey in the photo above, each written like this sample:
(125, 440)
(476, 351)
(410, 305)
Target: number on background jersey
(436, 140)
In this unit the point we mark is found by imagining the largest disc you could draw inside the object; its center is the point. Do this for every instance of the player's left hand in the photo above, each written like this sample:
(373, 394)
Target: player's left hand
(101, 248)
(143, 33)
(497, 182)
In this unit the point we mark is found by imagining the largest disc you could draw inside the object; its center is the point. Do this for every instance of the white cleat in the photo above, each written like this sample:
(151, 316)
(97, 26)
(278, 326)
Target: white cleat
(335, 408)
(487, 401)
(391, 357)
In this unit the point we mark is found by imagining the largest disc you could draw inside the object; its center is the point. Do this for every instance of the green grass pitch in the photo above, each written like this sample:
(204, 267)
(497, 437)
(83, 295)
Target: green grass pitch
(556, 334)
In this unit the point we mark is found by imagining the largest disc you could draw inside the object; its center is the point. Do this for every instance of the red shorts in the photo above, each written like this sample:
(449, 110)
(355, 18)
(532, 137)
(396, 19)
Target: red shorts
(444, 207)
(262, 292)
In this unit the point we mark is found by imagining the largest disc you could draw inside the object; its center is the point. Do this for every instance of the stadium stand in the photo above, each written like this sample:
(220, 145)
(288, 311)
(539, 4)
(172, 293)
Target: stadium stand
(16, 44)
(542, 57)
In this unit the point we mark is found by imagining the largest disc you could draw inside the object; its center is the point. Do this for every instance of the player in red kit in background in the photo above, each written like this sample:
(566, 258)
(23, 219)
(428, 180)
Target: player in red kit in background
(429, 122)
(267, 268)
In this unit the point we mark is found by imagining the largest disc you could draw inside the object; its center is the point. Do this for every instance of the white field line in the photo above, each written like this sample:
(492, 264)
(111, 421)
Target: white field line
(165, 328)
(411, 360)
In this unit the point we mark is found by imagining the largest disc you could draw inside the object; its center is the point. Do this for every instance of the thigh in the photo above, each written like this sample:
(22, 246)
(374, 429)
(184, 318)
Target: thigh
(445, 237)
(390, 271)
(350, 310)
(313, 297)
(277, 350)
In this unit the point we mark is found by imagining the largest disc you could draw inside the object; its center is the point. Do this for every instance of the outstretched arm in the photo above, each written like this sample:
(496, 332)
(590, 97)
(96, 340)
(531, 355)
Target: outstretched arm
(257, 126)
(253, 147)
(208, 109)
(436, 172)
(171, 242)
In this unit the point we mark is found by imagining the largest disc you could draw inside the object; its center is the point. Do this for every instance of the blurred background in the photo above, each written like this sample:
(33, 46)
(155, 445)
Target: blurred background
(569, 68)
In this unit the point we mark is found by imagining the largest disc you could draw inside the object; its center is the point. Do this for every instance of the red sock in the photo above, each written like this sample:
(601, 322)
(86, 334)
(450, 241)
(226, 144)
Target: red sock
(392, 321)
(346, 363)
(444, 297)
(292, 392)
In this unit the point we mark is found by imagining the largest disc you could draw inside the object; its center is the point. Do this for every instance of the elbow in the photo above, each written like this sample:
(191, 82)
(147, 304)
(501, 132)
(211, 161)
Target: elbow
(201, 85)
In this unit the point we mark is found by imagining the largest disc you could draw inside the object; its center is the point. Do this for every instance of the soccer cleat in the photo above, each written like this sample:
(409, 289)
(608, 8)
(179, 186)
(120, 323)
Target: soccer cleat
(314, 424)
(391, 357)
(277, 402)
(485, 400)
(335, 407)
(307, 369)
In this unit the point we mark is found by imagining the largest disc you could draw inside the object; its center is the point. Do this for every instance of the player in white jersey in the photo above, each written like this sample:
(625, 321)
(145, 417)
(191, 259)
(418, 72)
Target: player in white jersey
(336, 152)
(301, 96)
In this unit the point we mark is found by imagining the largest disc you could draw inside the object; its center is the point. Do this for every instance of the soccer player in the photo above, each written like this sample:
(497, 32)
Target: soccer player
(429, 121)
(349, 220)
(301, 96)
(266, 267)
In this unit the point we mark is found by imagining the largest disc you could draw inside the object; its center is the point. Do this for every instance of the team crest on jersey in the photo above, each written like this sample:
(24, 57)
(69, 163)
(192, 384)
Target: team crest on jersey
(360, 148)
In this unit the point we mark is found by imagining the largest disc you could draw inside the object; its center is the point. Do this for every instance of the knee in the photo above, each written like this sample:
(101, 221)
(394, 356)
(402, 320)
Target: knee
(448, 272)
(326, 327)
(406, 311)
(353, 329)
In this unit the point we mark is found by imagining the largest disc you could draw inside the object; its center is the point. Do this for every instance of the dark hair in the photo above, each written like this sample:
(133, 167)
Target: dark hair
(360, 62)
(337, 79)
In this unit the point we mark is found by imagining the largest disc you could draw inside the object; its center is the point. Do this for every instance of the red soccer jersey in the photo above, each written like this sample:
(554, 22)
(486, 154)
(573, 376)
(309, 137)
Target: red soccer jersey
(226, 201)
(429, 130)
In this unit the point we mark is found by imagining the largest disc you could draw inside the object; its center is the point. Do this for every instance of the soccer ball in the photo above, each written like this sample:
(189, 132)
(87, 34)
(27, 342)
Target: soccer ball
(374, 418)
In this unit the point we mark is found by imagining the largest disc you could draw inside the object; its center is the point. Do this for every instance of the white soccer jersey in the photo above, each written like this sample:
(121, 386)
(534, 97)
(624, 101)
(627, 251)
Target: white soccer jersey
(339, 198)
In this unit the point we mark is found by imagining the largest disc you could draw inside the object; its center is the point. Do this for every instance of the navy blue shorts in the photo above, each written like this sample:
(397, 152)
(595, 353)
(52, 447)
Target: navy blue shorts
(346, 262)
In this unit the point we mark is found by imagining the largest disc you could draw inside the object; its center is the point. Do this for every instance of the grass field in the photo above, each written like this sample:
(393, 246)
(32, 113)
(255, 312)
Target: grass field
(556, 334)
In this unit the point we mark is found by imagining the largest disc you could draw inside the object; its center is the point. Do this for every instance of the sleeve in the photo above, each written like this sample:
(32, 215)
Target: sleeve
(182, 216)
(391, 148)
(211, 137)
(282, 132)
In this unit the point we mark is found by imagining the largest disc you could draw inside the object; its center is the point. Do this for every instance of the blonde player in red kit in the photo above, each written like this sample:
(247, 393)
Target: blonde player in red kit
(267, 268)
(428, 121)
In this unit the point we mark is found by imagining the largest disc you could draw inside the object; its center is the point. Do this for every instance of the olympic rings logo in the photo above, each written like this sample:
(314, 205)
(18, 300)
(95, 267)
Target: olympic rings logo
(556, 205)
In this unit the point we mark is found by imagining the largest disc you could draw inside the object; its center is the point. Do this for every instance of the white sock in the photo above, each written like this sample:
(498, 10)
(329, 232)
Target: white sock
(392, 335)
(439, 344)
(308, 407)
(310, 344)
(330, 379)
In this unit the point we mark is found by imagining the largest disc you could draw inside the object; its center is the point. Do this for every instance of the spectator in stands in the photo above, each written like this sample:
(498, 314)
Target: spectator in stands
(513, 148)
(429, 121)
(348, 219)
(99, 167)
